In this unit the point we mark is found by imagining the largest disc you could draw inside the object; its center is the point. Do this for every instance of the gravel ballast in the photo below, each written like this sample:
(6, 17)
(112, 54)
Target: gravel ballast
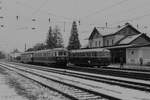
(29, 89)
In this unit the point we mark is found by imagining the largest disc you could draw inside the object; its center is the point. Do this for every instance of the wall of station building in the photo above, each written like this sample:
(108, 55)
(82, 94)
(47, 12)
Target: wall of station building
(98, 42)
(133, 55)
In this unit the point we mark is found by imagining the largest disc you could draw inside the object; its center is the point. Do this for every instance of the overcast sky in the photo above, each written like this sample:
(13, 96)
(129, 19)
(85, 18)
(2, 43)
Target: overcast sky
(16, 33)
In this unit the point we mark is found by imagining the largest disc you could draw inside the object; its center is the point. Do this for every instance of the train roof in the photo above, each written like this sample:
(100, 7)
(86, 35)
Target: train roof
(46, 50)
(54, 49)
(91, 50)
(30, 52)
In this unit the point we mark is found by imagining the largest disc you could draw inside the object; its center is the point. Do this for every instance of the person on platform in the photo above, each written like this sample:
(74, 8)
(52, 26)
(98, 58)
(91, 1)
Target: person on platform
(141, 61)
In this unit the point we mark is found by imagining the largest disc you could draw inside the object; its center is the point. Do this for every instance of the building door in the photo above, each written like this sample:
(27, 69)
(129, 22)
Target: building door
(116, 54)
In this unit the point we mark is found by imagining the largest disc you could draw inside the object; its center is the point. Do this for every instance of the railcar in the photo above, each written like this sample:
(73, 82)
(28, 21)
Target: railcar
(90, 57)
(27, 57)
(56, 56)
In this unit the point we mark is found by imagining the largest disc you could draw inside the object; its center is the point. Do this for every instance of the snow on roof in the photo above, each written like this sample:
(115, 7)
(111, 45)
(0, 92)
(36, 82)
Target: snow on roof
(129, 39)
(90, 50)
(46, 50)
(108, 30)
(54, 49)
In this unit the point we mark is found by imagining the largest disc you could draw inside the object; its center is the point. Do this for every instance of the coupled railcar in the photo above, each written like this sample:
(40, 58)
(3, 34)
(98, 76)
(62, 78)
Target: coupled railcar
(27, 57)
(61, 56)
(90, 57)
(57, 56)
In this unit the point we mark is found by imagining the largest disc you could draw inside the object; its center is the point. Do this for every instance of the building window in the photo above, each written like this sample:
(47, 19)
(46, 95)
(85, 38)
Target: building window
(95, 43)
(132, 52)
(90, 44)
(99, 43)
(112, 41)
(107, 42)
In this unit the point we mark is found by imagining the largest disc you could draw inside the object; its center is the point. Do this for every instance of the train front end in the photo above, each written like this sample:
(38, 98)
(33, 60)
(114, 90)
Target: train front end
(61, 56)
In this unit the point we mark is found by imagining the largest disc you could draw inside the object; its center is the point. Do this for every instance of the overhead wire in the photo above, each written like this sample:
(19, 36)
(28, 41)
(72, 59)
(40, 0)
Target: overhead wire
(49, 13)
(39, 8)
(104, 9)
(92, 14)
(134, 18)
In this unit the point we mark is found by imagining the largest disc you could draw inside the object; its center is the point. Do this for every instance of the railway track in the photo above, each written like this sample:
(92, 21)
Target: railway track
(127, 73)
(70, 91)
(124, 83)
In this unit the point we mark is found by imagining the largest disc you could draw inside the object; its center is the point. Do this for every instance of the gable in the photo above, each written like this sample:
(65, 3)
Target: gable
(126, 31)
(128, 39)
(135, 39)
(129, 30)
(94, 34)
(143, 39)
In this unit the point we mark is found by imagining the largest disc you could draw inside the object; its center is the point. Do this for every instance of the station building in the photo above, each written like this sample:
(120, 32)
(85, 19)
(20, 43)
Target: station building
(124, 42)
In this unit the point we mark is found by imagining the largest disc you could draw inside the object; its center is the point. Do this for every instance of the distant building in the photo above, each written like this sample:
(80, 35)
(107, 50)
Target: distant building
(124, 42)
(14, 56)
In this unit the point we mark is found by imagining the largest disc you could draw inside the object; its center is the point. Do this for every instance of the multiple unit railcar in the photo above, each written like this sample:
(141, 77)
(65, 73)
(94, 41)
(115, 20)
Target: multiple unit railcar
(57, 56)
(90, 57)
(61, 56)
(27, 57)
(49, 56)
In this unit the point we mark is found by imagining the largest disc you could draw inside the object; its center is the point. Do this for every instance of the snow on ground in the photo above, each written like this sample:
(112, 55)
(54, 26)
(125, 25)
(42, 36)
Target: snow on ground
(16, 87)
(7, 93)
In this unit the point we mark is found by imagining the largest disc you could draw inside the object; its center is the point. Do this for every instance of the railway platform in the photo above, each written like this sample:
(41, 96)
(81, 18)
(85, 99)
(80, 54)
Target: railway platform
(129, 66)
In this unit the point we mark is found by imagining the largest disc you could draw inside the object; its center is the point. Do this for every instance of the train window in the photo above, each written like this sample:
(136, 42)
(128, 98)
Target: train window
(65, 53)
(95, 54)
(80, 54)
(48, 54)
(60, 53)
(74, 54)
(92, 54)
(88, 53)
(83, 54)
(55, 53)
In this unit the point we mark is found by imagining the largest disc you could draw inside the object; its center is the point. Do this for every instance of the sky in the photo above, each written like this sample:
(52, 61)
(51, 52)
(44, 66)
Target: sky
(90, 13)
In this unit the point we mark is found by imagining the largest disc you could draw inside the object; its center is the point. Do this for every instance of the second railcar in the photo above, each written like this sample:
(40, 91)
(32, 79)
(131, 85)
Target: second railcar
(90, 57)
(57, 56)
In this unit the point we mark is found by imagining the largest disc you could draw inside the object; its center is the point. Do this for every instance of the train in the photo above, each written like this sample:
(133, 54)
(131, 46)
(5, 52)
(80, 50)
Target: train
(90, 57)
(56, 56)
(61, 56)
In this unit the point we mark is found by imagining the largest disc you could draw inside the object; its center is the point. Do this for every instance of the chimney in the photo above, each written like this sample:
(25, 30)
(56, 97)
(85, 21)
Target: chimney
(137, 26)
(106, 24)
(127, 23)
(118, 26)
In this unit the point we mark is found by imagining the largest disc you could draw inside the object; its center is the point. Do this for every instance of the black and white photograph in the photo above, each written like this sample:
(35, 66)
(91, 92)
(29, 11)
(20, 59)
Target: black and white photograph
(74, 49)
